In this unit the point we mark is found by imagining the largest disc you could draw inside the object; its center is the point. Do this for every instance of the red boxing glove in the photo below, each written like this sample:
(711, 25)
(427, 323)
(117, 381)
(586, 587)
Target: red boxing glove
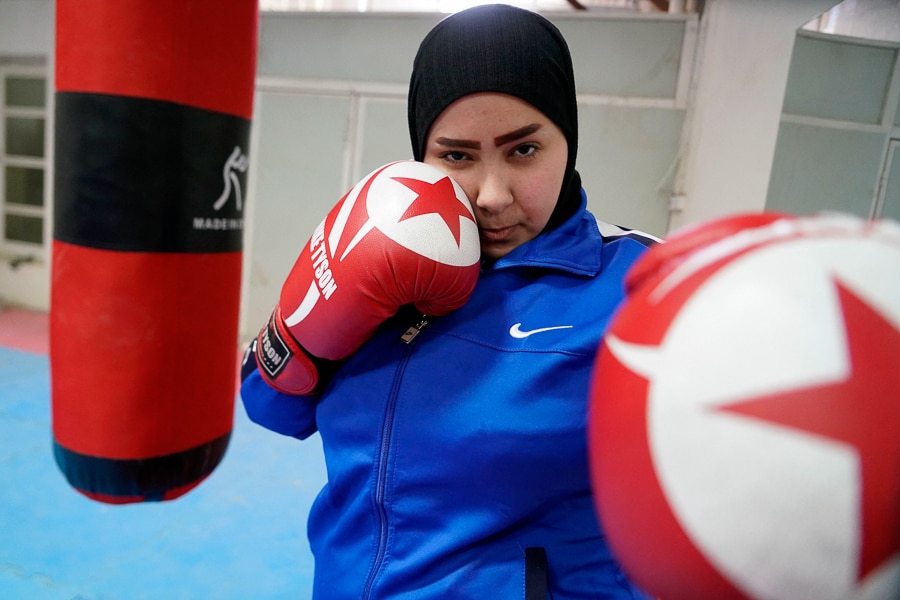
(743, 432)
(404, 234)
(681, 246)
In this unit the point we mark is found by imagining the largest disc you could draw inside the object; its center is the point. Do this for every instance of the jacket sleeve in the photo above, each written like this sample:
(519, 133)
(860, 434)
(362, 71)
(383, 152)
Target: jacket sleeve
(282, 413)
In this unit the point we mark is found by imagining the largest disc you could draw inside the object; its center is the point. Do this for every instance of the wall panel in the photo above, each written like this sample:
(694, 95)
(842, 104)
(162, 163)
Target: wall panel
(297, 170)
(821, 168)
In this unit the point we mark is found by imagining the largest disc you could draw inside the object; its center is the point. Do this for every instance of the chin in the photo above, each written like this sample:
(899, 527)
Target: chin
(495, 251)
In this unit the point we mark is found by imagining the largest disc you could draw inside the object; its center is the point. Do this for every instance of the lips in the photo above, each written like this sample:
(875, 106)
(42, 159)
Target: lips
(496, 234)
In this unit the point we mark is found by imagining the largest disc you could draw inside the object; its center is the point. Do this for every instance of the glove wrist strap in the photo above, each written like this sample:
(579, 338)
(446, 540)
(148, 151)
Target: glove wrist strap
(282, 362)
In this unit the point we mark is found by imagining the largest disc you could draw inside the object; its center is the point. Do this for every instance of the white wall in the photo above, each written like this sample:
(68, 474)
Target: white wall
(707, 135)
(26, 28)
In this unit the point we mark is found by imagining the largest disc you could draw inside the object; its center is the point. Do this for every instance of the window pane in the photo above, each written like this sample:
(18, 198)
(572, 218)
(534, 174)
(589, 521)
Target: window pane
(24, 136)
(24, 229)
(833, 79)
(24, 186)
(25, 91)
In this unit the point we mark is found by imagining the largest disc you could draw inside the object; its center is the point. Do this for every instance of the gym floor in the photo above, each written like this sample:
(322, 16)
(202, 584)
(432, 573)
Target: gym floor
(240, 534)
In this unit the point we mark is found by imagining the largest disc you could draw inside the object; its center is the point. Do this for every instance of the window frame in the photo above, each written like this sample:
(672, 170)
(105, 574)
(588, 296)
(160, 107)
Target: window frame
(17, 250)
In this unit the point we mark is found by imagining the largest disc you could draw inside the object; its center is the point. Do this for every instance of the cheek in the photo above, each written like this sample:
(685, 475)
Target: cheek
(540, 192)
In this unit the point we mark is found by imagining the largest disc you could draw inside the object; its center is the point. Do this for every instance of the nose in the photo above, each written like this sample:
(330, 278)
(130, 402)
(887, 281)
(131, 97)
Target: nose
(494, 193)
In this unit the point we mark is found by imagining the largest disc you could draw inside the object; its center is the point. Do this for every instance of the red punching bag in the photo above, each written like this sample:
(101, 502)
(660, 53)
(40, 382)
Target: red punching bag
(153, 107)
(745, 412)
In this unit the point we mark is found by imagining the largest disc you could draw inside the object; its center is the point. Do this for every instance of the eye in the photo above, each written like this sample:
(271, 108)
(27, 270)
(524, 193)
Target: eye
(524, 150)
(454, 156)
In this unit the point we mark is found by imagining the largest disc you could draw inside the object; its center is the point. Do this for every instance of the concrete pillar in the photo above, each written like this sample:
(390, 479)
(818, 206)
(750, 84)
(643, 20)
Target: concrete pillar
(732, 125)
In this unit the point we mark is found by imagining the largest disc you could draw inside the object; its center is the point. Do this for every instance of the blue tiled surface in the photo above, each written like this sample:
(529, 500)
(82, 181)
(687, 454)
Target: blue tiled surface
(240, 534)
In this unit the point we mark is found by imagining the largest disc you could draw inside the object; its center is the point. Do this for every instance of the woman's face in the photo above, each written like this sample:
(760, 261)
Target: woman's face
(508, 157)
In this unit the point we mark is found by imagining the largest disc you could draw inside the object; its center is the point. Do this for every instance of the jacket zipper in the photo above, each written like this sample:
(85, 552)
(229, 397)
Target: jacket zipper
(381, 479)
(413, 330)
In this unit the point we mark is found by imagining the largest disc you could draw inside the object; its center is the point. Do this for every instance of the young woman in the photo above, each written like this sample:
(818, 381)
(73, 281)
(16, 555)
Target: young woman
(457, 464)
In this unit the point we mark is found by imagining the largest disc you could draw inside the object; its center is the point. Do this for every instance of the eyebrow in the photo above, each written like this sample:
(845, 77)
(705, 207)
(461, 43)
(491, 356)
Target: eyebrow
(516, 135)
(498, 141)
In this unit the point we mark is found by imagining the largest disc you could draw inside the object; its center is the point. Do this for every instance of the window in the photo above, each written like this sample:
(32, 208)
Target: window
(22, 160)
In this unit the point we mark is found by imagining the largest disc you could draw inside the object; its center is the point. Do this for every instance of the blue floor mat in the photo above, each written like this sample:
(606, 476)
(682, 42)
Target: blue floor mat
(240, 534)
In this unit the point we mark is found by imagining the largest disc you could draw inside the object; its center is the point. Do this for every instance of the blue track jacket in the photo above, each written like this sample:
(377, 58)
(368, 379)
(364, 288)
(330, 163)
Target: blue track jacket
(452, 457)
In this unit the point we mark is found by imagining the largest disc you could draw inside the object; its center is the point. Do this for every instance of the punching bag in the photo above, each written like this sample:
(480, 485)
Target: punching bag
(745, 412)
(153, 107)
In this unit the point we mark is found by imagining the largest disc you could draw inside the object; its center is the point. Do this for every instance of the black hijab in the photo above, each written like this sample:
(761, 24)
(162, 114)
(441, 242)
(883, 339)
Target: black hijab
(498, 48)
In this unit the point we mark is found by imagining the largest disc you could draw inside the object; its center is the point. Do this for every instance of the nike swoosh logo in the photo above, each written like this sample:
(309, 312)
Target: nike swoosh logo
(516, 332)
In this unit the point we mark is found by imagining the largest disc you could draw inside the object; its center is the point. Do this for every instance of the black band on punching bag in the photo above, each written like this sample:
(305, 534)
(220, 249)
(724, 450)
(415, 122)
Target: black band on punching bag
(152, 194)
(149, 479)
